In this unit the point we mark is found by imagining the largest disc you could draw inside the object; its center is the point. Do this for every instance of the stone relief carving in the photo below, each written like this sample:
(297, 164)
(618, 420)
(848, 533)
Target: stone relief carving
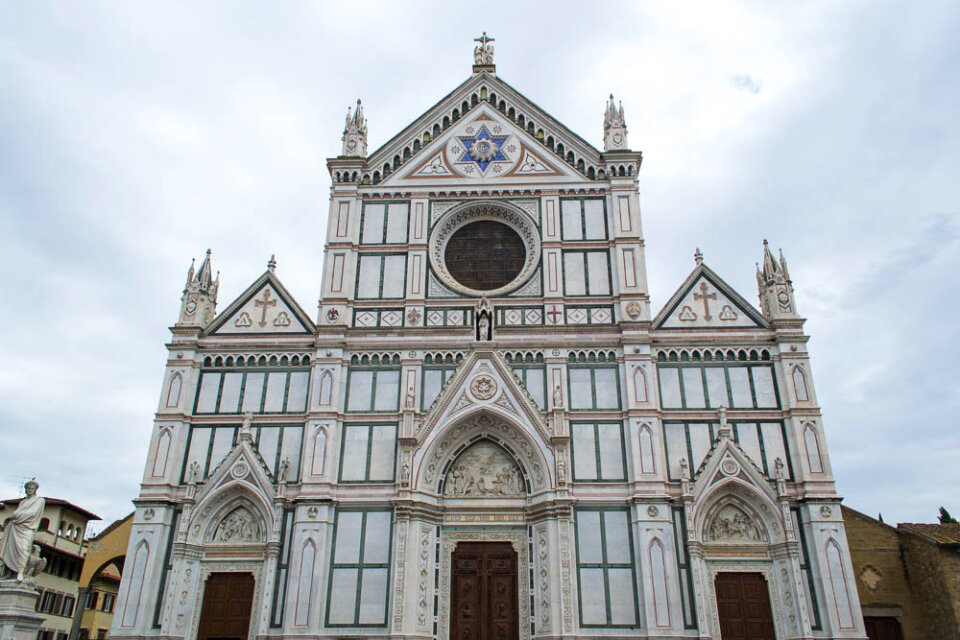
(543, 555)
(423, 575)
(484, 470)
(733, 525)
(238, 526)
(399, 579)
(565, 577)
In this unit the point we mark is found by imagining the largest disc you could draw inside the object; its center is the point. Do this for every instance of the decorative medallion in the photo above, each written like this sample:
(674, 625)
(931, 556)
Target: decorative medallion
(483, 149)
(633, 310)
(483, 387)
(148, 514)
(652, 511)
(729, 467)
(240, 470)
(333, 315)
(312, 513)
(826, 511)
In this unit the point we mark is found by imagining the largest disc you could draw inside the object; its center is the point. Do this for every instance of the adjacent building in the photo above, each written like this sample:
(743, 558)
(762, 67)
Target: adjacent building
(908, 577)
(487, 431)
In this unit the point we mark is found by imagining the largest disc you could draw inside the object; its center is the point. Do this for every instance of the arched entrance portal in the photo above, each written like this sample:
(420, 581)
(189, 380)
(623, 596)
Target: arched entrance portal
(487, 473)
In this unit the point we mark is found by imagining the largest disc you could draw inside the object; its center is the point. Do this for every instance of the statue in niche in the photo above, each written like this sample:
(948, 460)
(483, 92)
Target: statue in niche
(16, 540)
(484, 321)
(733, 525)
(484, 471)
(557, 397)
(238, 526)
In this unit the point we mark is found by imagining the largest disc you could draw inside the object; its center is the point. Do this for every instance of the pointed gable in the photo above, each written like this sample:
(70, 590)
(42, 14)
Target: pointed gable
(265, 307)
(485, 145)
(543, 145)
(484, 380)
(704, 300)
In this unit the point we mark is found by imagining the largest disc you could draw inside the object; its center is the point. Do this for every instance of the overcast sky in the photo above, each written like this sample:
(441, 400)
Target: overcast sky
(134, 135)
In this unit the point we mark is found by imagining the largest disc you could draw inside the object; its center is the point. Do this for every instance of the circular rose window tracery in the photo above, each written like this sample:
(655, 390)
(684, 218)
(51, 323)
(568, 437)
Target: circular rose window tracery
(484, 249)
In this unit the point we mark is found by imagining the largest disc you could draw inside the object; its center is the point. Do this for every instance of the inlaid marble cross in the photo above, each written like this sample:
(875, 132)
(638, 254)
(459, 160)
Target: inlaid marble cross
(706, 297)
(265, 304)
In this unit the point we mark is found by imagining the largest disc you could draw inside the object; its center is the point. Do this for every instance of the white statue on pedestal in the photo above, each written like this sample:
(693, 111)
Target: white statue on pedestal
(16, 541)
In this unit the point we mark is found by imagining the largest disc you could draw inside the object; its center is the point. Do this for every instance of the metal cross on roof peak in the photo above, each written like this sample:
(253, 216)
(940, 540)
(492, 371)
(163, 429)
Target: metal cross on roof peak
(483, 40)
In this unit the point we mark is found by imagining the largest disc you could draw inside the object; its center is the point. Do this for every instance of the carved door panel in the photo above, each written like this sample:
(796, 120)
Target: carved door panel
(743, 606)
(484, 592)
(227, 601)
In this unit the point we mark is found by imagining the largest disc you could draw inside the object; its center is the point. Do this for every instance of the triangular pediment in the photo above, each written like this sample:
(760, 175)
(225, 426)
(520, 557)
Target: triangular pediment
(705, 301)
(484, 146)
(727, 461)
(265, 307)
(419, 144)
(484, 382)
(242, 464)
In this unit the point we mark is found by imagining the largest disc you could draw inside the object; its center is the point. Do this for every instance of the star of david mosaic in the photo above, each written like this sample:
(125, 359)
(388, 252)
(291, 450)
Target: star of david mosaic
(483, 149)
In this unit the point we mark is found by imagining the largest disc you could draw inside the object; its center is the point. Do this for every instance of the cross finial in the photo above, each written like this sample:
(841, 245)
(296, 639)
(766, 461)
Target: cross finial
(483, 53)
(272, 262)
(484, 39)
(698, 257)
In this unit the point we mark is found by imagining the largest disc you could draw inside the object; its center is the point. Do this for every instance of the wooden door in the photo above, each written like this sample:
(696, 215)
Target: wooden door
(483, 592)
(227, 601)
(881, 628)
(743, 604)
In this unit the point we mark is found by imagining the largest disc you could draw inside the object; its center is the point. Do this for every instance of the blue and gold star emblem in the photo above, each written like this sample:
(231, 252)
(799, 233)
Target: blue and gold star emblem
(483, 149)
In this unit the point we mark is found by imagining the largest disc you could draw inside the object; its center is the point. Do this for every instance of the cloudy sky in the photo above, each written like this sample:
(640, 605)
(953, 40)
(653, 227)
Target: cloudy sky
(134, 135)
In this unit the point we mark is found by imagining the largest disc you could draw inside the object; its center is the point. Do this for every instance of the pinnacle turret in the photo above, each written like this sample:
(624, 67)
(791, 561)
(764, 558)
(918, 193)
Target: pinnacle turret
(775, 287)
(614, 127)
(355, 133)
(199, 300)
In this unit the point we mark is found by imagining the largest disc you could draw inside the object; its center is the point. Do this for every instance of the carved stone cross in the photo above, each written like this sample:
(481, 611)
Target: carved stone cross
(706, 297)
(265, 304)
(553, 313)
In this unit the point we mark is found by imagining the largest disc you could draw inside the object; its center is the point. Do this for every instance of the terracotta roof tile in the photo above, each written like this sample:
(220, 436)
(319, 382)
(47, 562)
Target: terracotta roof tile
(938, 533)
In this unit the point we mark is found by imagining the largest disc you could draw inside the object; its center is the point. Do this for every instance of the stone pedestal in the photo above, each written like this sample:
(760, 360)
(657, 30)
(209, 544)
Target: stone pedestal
(19, 619)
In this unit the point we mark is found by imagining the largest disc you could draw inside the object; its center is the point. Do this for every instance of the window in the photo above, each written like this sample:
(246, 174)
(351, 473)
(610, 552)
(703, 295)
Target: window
(605, 568)
(360, 569)
(207, 446)
(763, 442)
(583, 219)
(434, 378)
(368, 453)
(166, 569)
(683, 568)
(283, 568)
(270, 391)
(598, 451)
(384, 223)
(68, 602)
(702, 386)
(381, 275)
(91, 600)
(534, 379)
(586, 273)
(593, 387)
(813, 610)
(373, 389)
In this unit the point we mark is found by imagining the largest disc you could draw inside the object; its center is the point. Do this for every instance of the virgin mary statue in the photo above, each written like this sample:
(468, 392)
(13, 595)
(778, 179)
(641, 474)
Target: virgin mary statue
(16, 540)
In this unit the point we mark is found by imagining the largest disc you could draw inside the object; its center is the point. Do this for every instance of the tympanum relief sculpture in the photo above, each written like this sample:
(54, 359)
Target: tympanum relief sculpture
(484, 470)
(238, 526)
(733, 525)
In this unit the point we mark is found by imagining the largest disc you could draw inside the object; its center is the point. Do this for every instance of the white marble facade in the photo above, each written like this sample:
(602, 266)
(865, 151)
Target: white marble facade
(629, 457)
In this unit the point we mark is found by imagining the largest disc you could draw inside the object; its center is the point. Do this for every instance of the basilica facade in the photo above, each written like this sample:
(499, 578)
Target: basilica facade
(487, 431)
